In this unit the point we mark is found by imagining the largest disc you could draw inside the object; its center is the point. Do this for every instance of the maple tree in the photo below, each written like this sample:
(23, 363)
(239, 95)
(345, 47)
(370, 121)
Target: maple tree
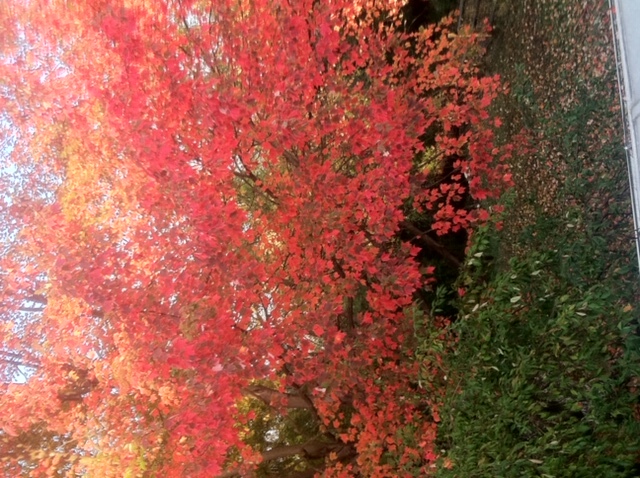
(212, 213)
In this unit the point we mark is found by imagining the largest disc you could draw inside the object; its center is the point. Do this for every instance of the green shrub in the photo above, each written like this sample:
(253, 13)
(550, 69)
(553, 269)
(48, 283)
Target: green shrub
(540, 383)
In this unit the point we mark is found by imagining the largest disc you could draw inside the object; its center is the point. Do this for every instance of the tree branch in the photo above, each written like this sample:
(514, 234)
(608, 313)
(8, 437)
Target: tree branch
(274, 398)
(313, 450)
(431, 244)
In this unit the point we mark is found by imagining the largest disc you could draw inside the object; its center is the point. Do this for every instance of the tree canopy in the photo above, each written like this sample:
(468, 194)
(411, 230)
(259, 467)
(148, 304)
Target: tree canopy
(219, 217)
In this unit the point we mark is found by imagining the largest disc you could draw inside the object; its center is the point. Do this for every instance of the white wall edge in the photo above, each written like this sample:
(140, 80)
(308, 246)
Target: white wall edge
(625, 24)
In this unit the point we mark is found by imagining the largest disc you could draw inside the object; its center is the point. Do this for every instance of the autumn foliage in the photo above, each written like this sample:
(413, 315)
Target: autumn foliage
(213, 203)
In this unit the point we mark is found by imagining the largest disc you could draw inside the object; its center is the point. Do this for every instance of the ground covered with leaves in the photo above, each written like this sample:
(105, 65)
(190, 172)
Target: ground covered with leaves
(543, 374)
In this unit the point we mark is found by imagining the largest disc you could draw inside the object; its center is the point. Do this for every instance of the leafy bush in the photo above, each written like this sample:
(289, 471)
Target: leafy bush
(542, 365)
(542, 382)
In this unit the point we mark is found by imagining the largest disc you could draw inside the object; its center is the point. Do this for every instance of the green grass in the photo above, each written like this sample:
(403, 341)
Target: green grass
(543, 378)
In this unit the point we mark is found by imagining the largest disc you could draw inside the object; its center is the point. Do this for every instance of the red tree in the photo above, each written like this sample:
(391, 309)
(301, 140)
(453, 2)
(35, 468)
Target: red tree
(207, 204)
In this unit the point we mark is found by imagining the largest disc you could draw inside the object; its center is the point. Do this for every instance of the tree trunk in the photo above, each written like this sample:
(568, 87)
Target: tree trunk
(312, 450)
(274, 398)
(282, 452)
(431, 243)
